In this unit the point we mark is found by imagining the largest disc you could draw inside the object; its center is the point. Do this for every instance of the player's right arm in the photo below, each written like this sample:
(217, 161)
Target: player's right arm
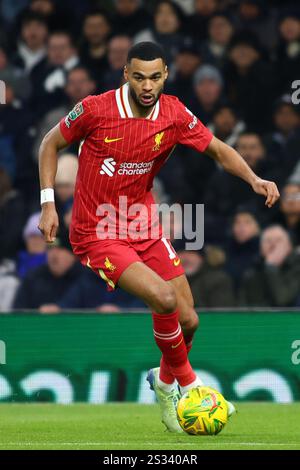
(51, 144)
(72, 128)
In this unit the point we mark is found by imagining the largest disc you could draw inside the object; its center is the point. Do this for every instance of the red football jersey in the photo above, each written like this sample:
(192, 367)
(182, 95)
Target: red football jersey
(119, 157)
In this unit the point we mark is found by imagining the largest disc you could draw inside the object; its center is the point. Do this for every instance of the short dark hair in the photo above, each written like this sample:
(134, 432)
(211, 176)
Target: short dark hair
(81, 68)
(63, 32)
(98, 12)
(146, 51)
(250, 132)
(31, 17)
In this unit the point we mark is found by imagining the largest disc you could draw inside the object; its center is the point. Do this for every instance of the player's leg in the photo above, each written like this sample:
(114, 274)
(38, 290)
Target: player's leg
(188, 320)
(138, 279)
(161, 257)
(188, 317)
(118, 263)
(141, 281)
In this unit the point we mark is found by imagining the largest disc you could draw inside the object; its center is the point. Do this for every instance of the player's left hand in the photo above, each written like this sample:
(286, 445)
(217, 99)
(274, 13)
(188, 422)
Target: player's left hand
(268, 189)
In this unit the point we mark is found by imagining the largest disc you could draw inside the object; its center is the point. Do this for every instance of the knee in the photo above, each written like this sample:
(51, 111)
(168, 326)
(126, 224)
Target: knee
(191, 321)
(164, 299)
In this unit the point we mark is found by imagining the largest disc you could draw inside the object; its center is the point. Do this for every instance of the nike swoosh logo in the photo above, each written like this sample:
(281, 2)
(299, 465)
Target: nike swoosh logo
(176, 262)
(108, 141)
(176, 345)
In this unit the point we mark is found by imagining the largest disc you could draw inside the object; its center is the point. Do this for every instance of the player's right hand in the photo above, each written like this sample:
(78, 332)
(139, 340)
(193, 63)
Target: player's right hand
(48, 222)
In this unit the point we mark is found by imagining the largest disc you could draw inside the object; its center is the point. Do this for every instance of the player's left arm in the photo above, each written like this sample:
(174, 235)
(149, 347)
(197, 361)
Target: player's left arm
(234, 163)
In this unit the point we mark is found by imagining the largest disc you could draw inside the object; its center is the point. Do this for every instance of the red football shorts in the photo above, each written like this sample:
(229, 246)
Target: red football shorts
(109, 258)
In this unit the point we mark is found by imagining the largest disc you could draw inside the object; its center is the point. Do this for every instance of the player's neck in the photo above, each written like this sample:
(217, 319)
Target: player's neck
(138, 111)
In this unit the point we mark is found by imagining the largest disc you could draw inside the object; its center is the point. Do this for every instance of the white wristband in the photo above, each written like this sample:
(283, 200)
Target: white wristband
(47, 195)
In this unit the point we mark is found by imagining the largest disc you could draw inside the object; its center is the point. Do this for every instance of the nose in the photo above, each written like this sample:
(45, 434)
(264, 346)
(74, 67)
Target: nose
(147, 85)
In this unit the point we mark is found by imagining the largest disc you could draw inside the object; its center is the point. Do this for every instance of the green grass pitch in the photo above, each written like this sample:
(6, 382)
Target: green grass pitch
(132, 426)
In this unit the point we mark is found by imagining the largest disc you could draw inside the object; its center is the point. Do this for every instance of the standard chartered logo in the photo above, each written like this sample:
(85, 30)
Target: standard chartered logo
(108, 167)
(2, 352)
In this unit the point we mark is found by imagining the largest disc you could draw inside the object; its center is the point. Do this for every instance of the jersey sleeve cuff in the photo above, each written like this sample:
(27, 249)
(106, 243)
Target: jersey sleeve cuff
(208, 140)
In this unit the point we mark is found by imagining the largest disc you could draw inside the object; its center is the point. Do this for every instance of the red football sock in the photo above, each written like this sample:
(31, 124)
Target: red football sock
(165, 373)
(169, 338)
(188, 342)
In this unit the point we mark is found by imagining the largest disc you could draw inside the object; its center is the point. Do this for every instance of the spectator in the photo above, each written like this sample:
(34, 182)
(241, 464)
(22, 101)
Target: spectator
(34, 254)
(9, 10)
(251, 82)
(186, 5)
(186, 175)
(10, 74)
(208, 86)
(210, 284)
(15, 137)
(130, 17)
(289, 213)
(181, 75)
(284, 141)
(172, 178)
(288, 50)
(49, 76)
(93, 51)
(226, 125)
(225, 192)
(274, 280)
(220, 31)
(65, 183)
(47, 284)
(55, 14)
(259, 18)
(79, 85)
(12, 212)
(198, 22)
(89, 291)
(243, 245)
(168, 22)
(118, 48)
(31, 48)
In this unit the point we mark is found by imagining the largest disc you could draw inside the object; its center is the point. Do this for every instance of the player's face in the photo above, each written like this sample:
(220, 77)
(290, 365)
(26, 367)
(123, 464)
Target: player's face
(146, 80)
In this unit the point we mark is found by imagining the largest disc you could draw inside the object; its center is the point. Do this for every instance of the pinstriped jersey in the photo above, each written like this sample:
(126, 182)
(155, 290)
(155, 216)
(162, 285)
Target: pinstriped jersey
(120, 155)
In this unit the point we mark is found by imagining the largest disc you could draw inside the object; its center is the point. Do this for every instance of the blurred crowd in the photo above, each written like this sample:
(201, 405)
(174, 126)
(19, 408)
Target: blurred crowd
(233, 63)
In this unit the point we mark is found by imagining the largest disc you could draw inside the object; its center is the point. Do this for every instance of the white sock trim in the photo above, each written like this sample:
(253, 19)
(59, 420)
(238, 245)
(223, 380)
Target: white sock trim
(196, 383)
(166, 387)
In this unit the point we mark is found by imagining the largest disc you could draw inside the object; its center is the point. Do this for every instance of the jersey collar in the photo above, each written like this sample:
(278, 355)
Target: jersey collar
(124, 106)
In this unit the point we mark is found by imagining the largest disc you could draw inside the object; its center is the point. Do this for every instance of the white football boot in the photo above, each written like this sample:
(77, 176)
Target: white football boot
(168, 402)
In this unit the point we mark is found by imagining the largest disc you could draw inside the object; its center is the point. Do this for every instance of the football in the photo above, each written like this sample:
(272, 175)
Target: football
(202, 411)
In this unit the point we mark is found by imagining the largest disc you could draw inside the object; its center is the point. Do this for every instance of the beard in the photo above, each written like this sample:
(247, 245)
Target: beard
(142, 105)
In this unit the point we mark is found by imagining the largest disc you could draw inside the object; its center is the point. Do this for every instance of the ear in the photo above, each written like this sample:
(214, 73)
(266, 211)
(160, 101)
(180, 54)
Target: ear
(166, 72)
(126, 73)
